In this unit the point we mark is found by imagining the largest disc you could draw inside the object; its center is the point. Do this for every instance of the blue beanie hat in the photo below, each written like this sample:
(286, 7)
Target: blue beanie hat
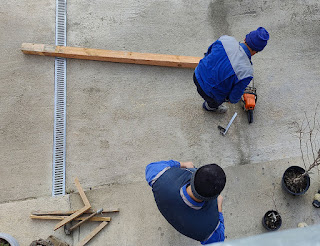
(257, 39)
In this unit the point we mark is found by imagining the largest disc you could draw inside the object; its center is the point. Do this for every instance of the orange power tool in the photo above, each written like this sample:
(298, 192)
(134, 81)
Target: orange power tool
(249, 99)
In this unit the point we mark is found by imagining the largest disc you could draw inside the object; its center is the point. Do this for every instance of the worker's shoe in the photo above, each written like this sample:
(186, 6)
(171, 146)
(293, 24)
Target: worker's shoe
(220, 110)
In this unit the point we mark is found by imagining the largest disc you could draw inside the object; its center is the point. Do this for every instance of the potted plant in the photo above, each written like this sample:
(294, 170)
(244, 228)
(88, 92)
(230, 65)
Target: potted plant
(7, 240)
(295, 179)
(271, 220)
(4, 242)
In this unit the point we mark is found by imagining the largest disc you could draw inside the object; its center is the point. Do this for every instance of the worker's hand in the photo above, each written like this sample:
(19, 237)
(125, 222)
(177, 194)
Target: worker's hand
(219, 201)
(187, 164)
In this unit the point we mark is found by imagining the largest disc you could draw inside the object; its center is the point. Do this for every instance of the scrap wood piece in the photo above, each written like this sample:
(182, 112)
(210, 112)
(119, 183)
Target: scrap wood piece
(71, 217)
(90, 211)
(86, 219)
(93, 233)
(60, 217)
(80, 211)
(111, 55)
(81, 192)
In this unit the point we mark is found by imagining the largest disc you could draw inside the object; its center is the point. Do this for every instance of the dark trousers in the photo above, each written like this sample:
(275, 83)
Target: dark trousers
(211, 102)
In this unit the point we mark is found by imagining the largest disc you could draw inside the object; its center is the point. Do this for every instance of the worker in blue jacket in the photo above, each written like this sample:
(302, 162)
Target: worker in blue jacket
(189, 198)
(226, 69)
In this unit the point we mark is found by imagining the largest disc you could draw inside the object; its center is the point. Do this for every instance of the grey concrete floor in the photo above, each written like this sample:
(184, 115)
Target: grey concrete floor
(120, 117)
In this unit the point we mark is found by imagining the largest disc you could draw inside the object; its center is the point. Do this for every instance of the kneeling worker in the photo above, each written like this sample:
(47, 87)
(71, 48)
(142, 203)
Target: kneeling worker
(189, 198)
(226, 70)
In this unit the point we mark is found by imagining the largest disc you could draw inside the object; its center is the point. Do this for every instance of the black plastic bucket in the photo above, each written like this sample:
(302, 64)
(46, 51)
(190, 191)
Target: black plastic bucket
(264, 218)
(299, 170)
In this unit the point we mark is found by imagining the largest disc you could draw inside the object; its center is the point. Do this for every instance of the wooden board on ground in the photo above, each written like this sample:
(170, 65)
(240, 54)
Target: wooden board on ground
(80, 211)
(111, 55)
(60, 217)
(81, 192)
(90, 211)
(71, 217)
(92, 234)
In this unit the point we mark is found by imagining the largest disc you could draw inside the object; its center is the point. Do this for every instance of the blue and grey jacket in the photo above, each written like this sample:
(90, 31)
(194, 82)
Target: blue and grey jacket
(226, 70)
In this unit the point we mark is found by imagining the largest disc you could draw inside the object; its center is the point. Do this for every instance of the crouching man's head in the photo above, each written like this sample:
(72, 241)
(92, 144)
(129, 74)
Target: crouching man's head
(208, 182)
(257, 40)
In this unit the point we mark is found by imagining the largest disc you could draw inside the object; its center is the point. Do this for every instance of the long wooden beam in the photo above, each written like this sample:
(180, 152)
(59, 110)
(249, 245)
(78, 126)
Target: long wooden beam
(90, 211)
(61, 217)
(111, 55)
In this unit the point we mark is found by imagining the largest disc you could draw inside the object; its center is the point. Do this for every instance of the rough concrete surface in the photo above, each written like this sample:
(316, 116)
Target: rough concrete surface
(120, 117)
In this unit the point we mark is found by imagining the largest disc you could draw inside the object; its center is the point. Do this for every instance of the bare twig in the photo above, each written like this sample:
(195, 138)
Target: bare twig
(310, 128)
(307, 134)
(273, 199)
(272, 196)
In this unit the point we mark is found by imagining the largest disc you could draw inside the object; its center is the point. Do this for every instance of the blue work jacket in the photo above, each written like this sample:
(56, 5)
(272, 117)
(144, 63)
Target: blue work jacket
(198, 220)
(225, 71)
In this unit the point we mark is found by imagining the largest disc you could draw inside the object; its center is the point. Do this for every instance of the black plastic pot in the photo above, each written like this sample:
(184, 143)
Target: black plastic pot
(297, 170)
(266, 220)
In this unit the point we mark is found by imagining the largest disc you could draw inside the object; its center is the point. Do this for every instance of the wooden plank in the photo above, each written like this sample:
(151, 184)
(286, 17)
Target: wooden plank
(86, 219)
(90, 211)
(111, 55)
(81, 192)
(92, 234)
(80, 211)
(71, 217)
(61, 217)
